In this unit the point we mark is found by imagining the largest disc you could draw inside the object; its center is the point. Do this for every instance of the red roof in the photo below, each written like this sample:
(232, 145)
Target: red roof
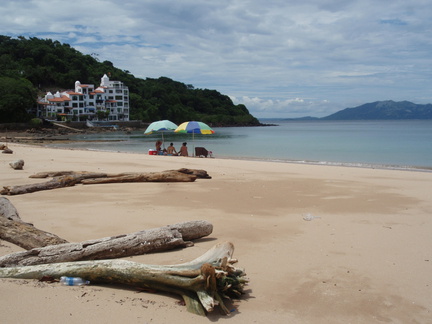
(74, 93)
(59, 99)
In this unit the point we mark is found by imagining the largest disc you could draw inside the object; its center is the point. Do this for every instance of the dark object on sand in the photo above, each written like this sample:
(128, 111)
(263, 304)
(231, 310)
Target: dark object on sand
(201, 151)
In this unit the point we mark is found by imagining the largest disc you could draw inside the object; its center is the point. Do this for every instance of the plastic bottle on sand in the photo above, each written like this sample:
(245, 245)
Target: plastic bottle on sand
(73, 281)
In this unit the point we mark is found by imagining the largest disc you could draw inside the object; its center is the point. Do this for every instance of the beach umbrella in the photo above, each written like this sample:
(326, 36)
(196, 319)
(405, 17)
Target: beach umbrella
(160, 126)
(194, 127)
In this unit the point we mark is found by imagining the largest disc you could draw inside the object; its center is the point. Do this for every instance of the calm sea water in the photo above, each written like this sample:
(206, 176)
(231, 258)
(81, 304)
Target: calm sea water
(389, 144)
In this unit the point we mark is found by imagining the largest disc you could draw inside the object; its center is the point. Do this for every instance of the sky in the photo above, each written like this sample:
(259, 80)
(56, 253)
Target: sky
(280, 58)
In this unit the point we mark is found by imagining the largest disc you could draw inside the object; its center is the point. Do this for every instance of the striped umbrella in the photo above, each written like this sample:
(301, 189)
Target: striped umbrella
(194, 127)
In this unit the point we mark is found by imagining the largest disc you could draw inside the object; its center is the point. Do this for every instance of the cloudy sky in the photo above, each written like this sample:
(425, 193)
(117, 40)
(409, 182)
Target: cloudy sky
(281, 58)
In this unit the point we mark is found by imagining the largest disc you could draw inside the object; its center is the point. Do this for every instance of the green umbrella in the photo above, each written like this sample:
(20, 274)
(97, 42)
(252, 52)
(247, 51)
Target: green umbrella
(160, 126)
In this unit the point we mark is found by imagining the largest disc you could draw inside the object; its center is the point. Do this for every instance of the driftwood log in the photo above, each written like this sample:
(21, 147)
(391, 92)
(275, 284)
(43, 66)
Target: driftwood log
(61, 179)
(45, 247)
(25, 235)
(57, 182)
(148, 241)
(203, 282)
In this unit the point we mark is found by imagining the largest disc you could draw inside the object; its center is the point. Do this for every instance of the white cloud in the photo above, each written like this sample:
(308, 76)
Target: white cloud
(269, 55)
(278, 108)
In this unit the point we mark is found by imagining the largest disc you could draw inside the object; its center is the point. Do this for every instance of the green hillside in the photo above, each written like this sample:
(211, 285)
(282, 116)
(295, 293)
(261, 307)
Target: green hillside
(384, 110)
(31, 66)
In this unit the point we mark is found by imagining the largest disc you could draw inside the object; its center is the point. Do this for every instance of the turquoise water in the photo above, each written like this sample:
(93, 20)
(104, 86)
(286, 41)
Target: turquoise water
(399, 144)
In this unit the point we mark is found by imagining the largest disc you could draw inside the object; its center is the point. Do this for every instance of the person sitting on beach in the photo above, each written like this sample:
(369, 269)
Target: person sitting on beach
(171, 150)
(159, 149)
(158, 146)
(184, 150)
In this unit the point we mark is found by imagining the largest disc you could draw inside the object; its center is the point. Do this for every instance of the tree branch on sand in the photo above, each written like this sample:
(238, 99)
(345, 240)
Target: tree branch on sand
(202, 283)
(120, 246)
(61, 179)
(25, 235)
(44, 247)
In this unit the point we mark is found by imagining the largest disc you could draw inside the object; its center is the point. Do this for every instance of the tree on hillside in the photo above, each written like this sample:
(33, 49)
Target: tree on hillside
(49, 65)
(16, 97)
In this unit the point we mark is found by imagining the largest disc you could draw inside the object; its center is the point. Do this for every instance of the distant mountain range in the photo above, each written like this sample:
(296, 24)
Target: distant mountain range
(381, 110)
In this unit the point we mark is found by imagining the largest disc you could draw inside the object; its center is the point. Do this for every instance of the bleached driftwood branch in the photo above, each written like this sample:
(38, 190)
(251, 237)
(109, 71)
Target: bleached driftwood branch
(203, 282)
(25, 235)
(147, 241)
(44, 247)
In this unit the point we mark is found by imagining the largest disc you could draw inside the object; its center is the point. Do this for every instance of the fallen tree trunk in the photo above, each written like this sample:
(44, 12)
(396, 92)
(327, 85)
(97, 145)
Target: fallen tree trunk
(202, 283)
(25, 235)
(70, 178)
(165, 176)
(148, 241)
(45, 247)
(57, 182)
(50, 174)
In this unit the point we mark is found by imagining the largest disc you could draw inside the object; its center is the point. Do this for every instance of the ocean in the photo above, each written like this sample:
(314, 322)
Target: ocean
(405, 144)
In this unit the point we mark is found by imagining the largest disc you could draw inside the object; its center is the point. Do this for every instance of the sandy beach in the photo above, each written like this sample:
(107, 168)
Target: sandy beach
(320, 244)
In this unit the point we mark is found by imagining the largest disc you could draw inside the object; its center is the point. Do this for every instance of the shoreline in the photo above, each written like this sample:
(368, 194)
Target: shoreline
(53, 139)
(318, 163)
(319, 245)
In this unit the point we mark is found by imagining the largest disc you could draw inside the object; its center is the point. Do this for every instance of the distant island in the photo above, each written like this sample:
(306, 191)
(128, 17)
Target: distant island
(379, 110)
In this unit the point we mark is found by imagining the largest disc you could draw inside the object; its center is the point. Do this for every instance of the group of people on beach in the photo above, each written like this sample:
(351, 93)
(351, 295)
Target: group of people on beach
(170, 150)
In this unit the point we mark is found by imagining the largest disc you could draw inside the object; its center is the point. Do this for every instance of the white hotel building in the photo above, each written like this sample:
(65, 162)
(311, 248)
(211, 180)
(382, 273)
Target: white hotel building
(108, 102)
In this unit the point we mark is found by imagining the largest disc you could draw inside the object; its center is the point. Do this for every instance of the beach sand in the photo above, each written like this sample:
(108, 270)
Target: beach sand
(320, 244)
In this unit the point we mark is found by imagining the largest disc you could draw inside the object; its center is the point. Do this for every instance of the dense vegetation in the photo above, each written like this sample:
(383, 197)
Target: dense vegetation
(30, 66)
